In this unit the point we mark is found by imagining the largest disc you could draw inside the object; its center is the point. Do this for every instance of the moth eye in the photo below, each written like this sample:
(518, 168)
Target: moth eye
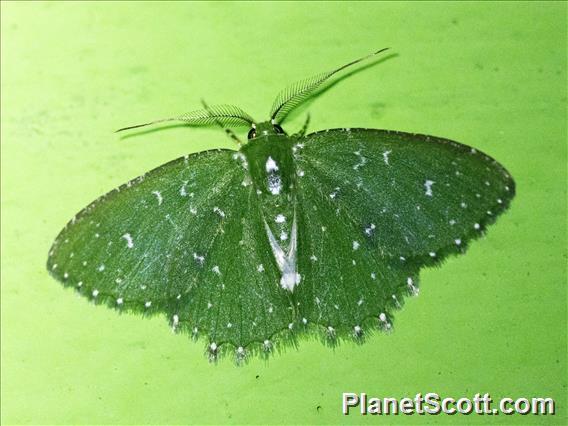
(251, 133)
(278, 129)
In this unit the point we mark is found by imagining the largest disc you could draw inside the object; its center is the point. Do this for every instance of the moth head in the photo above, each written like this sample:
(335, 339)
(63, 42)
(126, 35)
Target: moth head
(266, 128)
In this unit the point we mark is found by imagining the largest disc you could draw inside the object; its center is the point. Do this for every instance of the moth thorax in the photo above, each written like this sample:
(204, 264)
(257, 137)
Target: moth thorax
(272, 168)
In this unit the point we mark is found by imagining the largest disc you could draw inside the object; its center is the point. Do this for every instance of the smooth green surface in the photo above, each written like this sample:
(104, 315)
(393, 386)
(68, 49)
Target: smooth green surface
(491, 75)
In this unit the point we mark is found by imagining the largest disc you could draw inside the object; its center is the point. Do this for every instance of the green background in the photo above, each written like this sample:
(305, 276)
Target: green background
(491, 75)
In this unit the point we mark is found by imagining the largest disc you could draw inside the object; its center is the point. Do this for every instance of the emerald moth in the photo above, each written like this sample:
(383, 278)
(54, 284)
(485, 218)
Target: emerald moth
(287, 235)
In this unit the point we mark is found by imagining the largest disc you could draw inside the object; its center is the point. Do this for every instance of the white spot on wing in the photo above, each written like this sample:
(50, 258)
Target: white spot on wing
(129, 241)
(182, 189)
(428, 186)
(219, 211)
(199, 259)
(158, 196)
(411, 286)
(175, 321)
(334, 193)
(362, 160)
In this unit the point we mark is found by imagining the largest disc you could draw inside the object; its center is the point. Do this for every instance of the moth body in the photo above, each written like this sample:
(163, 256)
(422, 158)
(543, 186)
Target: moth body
(272, 172)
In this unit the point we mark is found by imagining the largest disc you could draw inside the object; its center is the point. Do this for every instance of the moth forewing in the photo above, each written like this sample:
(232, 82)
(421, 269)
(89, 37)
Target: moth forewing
(182, 240)
(405, 194)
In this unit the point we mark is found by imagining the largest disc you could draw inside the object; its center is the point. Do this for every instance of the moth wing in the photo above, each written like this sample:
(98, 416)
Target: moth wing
(185, 240)
(405, 194)
(375, 206)
(345, 286)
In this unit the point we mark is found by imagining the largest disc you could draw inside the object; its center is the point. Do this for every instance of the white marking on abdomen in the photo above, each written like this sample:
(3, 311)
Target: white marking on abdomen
(286, 262)
(271, 165)
(274, 184)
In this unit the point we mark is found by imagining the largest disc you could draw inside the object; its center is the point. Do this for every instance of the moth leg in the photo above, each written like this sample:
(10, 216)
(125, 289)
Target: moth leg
(228, 131)
(304, 128)
(232, 135)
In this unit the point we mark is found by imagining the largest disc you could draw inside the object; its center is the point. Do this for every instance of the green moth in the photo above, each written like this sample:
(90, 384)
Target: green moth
(288, 235)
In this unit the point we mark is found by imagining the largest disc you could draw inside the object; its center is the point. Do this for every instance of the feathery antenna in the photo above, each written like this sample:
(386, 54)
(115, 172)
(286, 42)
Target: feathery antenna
(295, 94)
(224, 115)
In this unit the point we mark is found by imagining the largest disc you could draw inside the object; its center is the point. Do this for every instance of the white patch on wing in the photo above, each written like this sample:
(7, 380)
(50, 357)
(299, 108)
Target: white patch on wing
(129, 242)
(158, 196)
(219, 211)
(182, 191)
(428, 186)
(286, 262)
(362, 160)
(199, 259)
